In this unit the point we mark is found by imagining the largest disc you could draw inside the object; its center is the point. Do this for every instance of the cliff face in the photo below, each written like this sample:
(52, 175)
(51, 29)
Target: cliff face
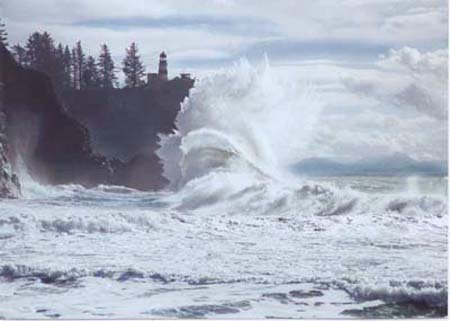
(125, 123)
(54, 147)
(9, 184)
(99, 136)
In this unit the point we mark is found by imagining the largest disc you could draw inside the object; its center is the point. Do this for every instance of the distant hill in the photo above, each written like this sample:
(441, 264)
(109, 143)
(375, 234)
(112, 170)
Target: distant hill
(396, 165)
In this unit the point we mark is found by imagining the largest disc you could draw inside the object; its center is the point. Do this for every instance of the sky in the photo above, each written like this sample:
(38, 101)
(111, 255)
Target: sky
(380, 66)
(210, 33)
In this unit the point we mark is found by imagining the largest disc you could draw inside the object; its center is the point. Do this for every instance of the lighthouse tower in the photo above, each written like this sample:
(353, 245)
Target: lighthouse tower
(162, 71)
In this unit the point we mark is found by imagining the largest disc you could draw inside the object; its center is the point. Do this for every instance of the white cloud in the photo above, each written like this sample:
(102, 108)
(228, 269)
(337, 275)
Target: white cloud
(396, 104)
(420, 81)
(194, 54)
(412, 60)
(389, 22)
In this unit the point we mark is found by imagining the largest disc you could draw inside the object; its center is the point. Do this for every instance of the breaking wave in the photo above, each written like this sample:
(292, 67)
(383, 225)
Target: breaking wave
(234, 215)
(242, 120)
(429, 293)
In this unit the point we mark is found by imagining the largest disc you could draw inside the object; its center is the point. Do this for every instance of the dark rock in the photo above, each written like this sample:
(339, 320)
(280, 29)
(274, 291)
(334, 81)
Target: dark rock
(87, 137)
(141, 172)
(9, 183)
(54, 147)
(125, 124)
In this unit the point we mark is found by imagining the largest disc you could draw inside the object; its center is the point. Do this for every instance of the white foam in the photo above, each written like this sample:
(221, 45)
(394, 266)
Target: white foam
(247, 114)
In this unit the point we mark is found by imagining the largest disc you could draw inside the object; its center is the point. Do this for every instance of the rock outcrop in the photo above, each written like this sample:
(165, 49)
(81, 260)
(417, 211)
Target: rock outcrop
(126, 122)
(54, 147)
(124, 125)
(87, 137)
(9, 183)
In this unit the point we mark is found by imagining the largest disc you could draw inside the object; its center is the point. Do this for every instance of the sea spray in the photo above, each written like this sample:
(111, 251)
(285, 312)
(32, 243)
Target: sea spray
(247, 118)
(235, 239)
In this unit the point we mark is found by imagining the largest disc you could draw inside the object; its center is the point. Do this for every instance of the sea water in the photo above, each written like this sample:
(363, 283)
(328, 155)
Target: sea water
(235, 235)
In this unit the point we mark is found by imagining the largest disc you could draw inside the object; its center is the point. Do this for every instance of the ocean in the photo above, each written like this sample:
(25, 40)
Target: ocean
(234, 235)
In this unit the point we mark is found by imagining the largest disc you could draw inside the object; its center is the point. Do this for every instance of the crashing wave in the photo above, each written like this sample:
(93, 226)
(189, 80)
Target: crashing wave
(430, 293)
(242, 119)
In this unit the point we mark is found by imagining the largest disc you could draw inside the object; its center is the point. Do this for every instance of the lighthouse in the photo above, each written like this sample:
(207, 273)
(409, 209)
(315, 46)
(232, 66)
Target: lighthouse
(156, 79)
(162, 70)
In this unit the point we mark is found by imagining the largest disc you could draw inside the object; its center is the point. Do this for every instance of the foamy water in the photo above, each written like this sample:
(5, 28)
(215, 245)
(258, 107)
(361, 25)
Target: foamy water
(235, 235)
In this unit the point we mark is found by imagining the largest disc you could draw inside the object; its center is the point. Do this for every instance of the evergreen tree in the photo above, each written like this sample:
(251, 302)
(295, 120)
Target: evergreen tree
(78, 63)
(73, 70)
(67, 63)
(107, 75)
(132, 67)
(20, 54)
(59, 67)
(41, 54)
(90, 73)
(60, 55)
(34, 52)
(3, 34)
(63, 62)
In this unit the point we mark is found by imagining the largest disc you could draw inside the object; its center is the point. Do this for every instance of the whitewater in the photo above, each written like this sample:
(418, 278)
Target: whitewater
(235, 234)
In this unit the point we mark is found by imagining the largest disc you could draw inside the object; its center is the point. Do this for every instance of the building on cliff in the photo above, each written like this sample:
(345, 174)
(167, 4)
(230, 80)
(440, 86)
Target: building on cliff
(162, 69)
(64, 140)
(162, 75)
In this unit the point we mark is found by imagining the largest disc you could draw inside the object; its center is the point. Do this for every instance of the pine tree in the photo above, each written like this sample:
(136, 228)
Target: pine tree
(107, 74)
(67, 63)
(20, 54)
(3, 34)
(78, 63)
(73, 70)
(33, 49)
(60, 54)
(90, 73)
(41, 53)
(132, 67)
(59, 68)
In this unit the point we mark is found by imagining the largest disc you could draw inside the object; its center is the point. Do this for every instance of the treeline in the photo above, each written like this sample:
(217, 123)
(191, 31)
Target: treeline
(71, 68)
(3, 33)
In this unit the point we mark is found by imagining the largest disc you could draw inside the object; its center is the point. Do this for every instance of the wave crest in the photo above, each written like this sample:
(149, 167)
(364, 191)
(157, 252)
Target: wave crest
(242, 119)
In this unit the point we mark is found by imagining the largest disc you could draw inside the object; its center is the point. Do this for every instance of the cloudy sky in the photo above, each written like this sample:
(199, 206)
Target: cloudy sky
(380, 65)
(204, 33)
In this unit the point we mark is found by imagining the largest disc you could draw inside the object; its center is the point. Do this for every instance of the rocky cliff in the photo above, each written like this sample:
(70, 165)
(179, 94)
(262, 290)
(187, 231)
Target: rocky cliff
(9, 184)
(54, 147)
(89, 137)
(125, 123)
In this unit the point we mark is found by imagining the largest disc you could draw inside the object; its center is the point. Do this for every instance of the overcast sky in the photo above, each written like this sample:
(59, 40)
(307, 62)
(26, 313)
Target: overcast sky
(380, 66)
(211, 33)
